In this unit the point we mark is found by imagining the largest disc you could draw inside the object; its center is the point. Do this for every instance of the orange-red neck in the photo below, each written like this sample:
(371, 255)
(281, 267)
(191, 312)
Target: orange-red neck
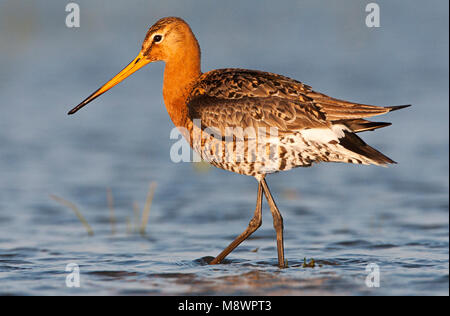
(180, 73)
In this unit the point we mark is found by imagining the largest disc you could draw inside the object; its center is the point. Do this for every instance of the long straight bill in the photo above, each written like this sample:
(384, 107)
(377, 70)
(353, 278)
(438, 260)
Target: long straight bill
(139, 62)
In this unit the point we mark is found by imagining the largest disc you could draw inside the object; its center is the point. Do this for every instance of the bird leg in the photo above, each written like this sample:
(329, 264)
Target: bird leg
(277, 223)
(254, 224)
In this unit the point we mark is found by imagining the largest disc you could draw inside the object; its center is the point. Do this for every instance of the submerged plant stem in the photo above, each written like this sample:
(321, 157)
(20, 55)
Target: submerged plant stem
(146, 210)
(112, 217)
(76, 211)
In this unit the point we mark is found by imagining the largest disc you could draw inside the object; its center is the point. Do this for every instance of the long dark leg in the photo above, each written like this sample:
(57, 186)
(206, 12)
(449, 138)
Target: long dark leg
(254, 224)
(277, 223)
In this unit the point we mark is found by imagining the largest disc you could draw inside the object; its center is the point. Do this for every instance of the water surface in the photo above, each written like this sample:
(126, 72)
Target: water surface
(344, 217)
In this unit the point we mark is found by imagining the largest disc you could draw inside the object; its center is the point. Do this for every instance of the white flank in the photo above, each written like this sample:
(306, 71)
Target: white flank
(324, 135)
(339, 130)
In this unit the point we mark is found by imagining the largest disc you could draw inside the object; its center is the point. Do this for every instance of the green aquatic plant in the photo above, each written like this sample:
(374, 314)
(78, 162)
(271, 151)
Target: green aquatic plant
(310, 264)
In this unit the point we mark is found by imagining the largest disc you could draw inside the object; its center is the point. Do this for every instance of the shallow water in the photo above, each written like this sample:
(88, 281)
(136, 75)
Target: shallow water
(344, 217)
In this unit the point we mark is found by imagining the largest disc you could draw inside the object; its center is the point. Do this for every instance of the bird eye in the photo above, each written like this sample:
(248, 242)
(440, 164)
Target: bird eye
(157, 38)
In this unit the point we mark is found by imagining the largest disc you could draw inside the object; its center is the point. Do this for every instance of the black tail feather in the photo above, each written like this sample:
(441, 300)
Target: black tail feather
(397, 107)
(353, 143)
(361, 125)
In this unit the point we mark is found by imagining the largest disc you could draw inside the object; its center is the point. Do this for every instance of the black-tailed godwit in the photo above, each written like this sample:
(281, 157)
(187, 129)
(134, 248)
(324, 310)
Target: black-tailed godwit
(309, 127)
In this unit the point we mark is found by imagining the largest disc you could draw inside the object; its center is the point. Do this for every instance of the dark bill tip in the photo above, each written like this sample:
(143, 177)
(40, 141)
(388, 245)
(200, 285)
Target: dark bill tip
(74, 110)
(90, 98)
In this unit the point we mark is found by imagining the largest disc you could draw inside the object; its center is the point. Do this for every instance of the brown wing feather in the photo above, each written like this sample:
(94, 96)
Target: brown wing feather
(284, 114)
(340, 109)
(261, 98)
(232, 83)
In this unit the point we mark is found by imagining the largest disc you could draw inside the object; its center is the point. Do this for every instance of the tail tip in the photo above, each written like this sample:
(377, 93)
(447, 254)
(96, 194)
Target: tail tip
(398, 107)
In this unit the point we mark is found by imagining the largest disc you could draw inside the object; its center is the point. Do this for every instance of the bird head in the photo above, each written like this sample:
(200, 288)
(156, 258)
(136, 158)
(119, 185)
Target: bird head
(167, 40)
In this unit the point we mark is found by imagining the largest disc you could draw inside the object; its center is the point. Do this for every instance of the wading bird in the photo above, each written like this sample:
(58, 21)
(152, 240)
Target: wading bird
(311, 127)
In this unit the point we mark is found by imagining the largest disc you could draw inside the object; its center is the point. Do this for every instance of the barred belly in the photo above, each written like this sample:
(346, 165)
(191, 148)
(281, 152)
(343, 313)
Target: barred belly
(253, 158)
